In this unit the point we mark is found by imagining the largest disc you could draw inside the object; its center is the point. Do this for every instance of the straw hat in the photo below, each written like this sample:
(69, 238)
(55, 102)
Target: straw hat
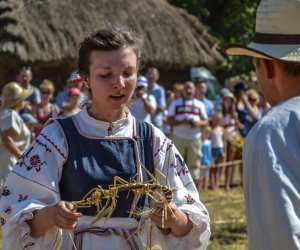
(229, 95)
(13, 94)
(277, 32)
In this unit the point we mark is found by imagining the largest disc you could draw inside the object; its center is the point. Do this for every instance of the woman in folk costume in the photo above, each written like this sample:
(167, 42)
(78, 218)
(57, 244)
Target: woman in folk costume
(74, 155)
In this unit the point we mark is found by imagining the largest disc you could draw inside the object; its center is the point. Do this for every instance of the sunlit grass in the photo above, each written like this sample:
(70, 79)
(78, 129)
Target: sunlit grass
(227, 214)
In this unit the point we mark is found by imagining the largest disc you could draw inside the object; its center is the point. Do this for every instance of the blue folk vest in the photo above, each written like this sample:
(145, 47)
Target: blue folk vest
(95, 161)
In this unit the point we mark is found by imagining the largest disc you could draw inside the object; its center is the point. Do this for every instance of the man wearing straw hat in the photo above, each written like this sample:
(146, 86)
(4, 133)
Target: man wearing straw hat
(272, 149)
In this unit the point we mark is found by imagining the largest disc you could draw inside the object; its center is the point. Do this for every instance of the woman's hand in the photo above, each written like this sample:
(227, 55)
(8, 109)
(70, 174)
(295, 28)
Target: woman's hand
(62, 215)
(176, 220)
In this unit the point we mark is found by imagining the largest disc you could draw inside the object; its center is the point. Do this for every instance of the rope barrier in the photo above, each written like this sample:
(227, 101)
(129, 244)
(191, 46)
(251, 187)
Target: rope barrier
(224, 164)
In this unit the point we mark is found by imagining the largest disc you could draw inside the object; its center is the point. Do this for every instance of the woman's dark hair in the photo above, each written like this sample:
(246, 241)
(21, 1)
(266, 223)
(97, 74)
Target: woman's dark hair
(111, 38)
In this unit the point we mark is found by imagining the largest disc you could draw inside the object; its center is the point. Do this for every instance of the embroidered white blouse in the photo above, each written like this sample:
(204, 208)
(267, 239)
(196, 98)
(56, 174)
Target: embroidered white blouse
(34, 183)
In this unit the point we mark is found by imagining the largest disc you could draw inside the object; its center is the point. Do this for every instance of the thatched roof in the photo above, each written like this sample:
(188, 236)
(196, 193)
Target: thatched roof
(48, 30)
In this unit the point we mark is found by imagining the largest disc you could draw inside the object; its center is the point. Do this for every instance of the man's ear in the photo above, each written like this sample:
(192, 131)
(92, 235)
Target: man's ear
(268, 67)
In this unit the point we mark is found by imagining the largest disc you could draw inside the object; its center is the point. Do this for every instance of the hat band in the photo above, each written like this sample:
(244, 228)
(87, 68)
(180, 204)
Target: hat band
(276, 38)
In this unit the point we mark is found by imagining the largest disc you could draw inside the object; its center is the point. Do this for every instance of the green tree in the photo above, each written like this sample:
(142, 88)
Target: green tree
(231, 22)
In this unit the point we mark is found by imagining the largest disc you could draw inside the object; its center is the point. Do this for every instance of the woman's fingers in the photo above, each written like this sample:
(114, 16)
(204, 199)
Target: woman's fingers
(64, 216)
(164, 215)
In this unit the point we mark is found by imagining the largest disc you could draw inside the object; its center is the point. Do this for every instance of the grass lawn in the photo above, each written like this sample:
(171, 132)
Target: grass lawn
(227, 214)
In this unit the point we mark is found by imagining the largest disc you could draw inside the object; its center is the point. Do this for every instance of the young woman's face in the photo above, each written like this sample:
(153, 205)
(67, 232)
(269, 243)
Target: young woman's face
(46, 94)
(227, 102)
(112, 78)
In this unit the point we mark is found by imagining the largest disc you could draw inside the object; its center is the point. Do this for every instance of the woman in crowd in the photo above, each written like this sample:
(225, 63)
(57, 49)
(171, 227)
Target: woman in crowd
(76, 154)
(248, 112)
(15, 136)
(44, 110)
(217, 149)
(231, 124)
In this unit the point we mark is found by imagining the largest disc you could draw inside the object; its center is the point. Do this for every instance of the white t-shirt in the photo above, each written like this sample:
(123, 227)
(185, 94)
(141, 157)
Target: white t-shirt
(192, 109)
(9, 118)
(138, 108)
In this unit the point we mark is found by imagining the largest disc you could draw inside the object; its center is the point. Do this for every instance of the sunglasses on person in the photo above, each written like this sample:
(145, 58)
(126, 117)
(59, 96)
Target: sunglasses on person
(252, 99)
(45, 92)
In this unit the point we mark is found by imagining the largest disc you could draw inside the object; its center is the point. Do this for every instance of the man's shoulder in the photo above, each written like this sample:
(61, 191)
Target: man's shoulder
(208, 102)
(151, 98)
(198, 102)
(34, 88)
(282, 119)
(158, 86)
(178, 101)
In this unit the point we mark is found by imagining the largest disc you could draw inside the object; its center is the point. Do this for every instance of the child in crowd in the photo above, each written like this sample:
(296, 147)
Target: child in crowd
(72, 106)
(206, 158)
(217, 144)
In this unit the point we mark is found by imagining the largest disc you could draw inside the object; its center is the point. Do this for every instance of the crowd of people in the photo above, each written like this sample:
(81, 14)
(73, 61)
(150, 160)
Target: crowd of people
(208, 135)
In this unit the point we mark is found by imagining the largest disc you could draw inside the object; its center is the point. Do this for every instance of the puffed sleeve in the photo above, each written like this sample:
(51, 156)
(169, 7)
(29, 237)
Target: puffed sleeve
(33, 184)
(175, 174)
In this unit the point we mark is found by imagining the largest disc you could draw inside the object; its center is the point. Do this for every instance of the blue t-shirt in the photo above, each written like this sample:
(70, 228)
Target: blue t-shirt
(158, 92)
(209, 107)
(206, 153)
(35, 97)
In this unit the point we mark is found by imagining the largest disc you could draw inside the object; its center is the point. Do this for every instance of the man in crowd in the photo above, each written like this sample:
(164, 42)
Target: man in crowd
(201, 90)
(272, 149)
(187, 115)
(25, 78)
(143, 104)
(158, 92)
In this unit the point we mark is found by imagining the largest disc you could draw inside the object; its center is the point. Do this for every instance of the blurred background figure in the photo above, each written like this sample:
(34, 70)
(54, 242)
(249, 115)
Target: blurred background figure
(25, 77)
(72, 106)
(44, 110)
(231, 125)
(210, 80)
(167, 129)
(247, 109)
(158, 92)
(206, 160)
(217, 149)
(74, 81)
(143, 104)
(15, 136)
(187, 115)
(263, 105)
(178, 89)
(201, 91)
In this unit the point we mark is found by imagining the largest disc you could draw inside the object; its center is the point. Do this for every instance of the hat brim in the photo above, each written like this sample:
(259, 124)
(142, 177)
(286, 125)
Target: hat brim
(14, 102)
(267, 51)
